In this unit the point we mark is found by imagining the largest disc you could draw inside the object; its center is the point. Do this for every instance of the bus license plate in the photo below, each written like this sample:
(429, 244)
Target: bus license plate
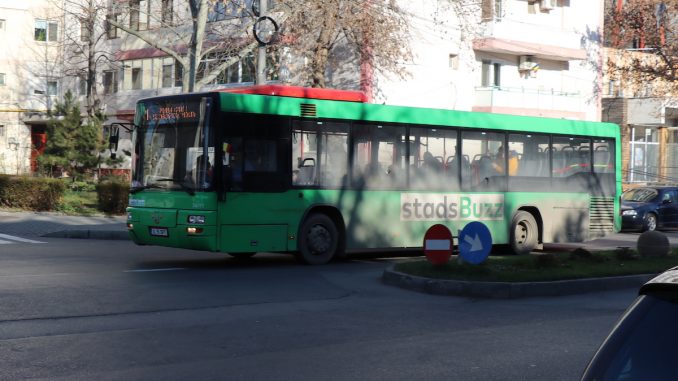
(159, 232)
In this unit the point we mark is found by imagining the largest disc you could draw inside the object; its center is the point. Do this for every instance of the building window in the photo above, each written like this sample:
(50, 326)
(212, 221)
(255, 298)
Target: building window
(84, 30)
(112, 31)
(110, 82)
(2, 130)
(239, 72)
(491, 9)
(178, 74)
(139, 14)
(52, 87)
(2, 79)
(218, 11)
(644, 155)
(491, 74)
(46, 30)
(82, 85)
(167, 75)
(136, 78)
(2, 24)
(453, 61)
(167, 12)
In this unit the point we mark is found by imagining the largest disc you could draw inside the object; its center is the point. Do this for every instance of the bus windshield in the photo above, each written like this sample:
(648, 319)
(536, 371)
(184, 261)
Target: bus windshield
(169, 146)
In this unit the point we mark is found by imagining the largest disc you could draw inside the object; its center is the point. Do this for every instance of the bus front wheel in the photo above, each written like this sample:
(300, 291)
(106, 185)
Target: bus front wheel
(524, 233)
(318, 240)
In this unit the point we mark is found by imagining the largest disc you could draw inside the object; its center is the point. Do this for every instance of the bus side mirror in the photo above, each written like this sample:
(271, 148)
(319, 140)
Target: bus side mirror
(113, 138)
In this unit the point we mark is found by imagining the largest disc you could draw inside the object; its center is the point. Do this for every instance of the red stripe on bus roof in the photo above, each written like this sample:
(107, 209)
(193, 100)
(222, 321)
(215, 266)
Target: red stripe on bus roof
(301, 92)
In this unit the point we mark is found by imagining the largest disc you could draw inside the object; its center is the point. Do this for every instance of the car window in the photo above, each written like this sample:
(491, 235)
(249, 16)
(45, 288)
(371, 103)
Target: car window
(668, 196)
(640, 195)
(642, 346)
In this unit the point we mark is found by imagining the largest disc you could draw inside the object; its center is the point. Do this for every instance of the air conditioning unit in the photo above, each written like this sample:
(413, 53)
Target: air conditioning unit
(526, 63)
(547, 5)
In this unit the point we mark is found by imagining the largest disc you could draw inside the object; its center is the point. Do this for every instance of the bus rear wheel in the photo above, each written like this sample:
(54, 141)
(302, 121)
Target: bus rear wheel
(318, 240)
(524, 233)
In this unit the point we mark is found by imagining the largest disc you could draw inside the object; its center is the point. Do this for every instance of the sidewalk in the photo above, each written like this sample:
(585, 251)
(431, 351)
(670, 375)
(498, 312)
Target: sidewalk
(49, 224)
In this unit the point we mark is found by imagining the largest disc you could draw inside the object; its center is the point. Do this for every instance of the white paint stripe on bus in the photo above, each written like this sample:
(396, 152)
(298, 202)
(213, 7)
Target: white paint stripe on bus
(154, 270)
(437, 244)
(18, 239)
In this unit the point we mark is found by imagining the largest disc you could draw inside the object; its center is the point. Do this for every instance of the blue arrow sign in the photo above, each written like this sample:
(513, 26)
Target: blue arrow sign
(475, 242)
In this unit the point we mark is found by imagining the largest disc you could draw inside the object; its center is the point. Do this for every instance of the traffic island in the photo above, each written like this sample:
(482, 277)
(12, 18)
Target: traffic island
(508, 290)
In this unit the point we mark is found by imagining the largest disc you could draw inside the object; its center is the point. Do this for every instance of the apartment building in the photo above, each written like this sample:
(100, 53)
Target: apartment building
(524, 57)
(30, 79)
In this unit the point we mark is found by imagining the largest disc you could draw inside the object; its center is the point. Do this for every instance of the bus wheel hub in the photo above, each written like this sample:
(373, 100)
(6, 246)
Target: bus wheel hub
(319, 239)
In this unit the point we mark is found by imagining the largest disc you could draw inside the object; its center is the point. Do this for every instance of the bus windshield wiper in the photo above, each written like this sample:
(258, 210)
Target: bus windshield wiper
(183, 186)
(142, 187)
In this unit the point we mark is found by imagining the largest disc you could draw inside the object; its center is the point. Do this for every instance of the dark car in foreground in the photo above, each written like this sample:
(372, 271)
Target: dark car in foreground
(644, 343)
(649, 208)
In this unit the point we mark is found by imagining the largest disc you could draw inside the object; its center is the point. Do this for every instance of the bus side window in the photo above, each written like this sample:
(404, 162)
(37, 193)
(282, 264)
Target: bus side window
(333, 151)
(304, 152)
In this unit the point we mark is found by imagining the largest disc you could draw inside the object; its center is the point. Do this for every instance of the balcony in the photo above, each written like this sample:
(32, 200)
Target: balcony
(533, 102)
(517, 38)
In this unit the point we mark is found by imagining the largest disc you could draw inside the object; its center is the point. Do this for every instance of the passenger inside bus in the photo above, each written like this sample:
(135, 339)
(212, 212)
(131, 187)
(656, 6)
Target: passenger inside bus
(498, 163)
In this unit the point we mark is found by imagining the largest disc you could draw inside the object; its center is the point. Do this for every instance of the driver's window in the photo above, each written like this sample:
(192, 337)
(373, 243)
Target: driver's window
(668, 197)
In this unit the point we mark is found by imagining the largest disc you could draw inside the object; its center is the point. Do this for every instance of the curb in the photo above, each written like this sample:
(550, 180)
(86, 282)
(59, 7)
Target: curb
(90, 234)
(510, 290)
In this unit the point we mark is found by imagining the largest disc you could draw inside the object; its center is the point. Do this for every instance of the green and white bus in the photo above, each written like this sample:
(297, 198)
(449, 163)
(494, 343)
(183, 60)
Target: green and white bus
(319, 172)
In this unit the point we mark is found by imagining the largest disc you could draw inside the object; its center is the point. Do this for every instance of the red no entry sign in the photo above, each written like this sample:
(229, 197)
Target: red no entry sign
(438, 244)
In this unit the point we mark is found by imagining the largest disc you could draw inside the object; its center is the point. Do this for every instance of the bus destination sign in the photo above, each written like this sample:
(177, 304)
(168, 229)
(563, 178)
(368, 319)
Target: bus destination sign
(173, 112)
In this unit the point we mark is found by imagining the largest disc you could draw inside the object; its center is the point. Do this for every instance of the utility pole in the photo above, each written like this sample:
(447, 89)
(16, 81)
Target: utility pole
(261, 51)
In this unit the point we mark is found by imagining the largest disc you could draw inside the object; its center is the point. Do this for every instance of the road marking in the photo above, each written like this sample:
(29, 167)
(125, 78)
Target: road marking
(17, 239)
(154, 270)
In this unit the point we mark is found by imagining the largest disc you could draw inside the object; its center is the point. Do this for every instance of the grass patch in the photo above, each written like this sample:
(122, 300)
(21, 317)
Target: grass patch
(543, 267)
(81, 203)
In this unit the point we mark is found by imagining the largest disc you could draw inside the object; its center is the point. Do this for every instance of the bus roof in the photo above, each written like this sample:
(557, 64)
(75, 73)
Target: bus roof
(301, 92)
(249, 102)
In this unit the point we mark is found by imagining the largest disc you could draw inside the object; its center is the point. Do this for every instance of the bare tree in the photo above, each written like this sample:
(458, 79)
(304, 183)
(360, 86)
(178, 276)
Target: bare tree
(372, 33)
(353, 32)
(84, 46)
(197, 30)
(644, 32)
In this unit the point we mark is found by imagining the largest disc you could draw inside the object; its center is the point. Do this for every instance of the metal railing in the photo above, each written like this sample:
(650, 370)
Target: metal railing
(520, 97)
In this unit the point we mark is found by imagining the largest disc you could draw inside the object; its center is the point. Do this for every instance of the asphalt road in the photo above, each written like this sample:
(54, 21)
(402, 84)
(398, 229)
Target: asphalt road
(110, 310)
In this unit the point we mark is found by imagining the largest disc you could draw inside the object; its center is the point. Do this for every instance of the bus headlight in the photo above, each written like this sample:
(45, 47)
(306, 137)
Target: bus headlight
(629, 213)
(196, 220)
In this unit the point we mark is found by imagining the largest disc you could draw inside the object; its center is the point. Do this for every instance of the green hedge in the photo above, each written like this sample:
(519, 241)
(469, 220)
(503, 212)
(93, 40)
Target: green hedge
(31, 193)
(112, 195)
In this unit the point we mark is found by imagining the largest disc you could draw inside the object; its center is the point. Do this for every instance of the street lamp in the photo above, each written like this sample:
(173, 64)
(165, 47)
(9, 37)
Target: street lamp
(265, 30)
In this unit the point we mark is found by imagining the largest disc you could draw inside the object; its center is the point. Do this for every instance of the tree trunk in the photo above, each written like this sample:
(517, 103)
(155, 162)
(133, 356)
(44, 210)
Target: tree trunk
(199, 11)
(321, 54)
